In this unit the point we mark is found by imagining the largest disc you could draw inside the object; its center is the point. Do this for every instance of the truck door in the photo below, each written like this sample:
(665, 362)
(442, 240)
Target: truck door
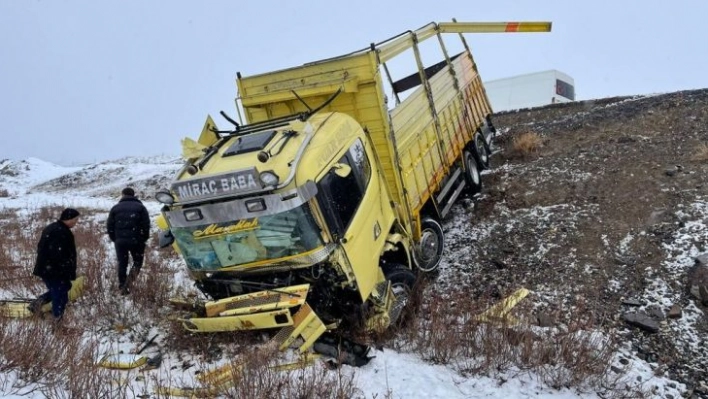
(352, 200)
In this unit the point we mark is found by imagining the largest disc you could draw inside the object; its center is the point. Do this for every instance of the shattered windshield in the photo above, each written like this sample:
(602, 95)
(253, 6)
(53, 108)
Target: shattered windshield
(213, 246)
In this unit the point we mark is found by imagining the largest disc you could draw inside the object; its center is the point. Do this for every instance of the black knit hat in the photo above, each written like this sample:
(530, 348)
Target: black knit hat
(128, 191)
(68, 214)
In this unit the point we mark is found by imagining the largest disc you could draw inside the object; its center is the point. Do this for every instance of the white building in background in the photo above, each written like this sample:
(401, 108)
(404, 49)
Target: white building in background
(530, 90)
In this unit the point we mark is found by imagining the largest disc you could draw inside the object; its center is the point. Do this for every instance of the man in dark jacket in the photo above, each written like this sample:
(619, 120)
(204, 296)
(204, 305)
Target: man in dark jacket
(56, 260)
(128, 227)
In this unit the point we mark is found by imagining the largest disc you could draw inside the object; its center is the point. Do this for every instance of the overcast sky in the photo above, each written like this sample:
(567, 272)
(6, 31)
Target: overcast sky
(87, 81)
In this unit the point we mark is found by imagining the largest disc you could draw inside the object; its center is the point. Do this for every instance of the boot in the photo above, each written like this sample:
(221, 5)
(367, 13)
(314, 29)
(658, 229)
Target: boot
(57, 325)
(132, 276)
(35, 307)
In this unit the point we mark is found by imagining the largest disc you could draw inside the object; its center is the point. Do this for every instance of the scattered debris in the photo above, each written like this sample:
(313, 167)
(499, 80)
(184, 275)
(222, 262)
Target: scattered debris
(123, 361)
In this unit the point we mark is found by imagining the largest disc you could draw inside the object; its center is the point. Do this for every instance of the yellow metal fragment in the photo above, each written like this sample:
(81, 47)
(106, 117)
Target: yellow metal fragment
(500, 312)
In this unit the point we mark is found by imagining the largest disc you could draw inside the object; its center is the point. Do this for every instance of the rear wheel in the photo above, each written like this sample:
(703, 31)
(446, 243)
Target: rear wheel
(481, 150)
(474, 179)
(428, 253)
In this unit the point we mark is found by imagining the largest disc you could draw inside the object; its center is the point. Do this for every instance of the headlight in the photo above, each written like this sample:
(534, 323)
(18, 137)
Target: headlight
(165, 197)
(269, 178)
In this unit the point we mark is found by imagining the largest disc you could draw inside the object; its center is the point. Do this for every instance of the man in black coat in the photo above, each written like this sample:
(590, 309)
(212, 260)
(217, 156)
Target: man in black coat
(56, 261)
(128, 227)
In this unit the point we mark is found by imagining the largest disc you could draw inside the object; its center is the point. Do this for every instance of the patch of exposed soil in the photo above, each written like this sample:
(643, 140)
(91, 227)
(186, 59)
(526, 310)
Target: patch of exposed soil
(608, 216)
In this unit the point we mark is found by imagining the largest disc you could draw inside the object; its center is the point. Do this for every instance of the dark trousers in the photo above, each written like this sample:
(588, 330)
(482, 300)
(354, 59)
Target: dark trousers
(123, 252)
(59, 294)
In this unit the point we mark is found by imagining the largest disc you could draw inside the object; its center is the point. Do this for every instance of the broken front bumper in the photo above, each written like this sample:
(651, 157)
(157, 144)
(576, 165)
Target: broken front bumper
(263, 310)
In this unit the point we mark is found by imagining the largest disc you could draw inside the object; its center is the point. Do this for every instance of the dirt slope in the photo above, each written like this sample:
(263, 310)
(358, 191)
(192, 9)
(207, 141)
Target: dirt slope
(605, 218)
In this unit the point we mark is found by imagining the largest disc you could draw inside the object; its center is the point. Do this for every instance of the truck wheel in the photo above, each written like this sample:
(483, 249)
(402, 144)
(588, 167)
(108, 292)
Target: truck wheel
(474, 179)
(402, 281)
(481, 150)
(428, 253)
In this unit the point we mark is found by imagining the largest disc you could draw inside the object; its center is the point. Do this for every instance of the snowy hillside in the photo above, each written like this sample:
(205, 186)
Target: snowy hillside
(18, 176)
(36, 183)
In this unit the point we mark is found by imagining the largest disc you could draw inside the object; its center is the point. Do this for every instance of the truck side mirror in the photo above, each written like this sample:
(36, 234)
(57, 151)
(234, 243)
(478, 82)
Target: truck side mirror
(165, 238)
(341, 169)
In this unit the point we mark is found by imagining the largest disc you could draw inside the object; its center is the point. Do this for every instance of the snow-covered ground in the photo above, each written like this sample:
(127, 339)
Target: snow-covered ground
(33, 184)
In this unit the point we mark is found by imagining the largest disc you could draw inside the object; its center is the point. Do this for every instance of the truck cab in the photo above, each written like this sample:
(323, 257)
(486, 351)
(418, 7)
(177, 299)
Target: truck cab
(284, 205)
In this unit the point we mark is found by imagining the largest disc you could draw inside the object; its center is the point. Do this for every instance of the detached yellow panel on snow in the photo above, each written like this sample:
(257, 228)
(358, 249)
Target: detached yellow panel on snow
(20, 310)
(499, 313)
(122, 361)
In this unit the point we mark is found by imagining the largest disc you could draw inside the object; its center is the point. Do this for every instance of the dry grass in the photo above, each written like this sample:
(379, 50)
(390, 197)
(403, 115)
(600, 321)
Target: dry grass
(526, 144)
(257, 378)
(57, 364)
(62, 365)
(701, 153)
(573, 355)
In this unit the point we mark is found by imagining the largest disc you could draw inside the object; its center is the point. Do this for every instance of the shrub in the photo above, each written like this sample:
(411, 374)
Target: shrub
(701, 153)
(526, 144)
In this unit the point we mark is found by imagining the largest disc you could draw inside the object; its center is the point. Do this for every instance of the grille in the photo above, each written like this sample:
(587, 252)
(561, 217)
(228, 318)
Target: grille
(247, 302)
(283, 334)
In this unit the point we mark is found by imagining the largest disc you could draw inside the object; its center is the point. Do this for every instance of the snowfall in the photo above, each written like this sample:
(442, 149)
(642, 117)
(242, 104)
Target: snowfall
(390, 374)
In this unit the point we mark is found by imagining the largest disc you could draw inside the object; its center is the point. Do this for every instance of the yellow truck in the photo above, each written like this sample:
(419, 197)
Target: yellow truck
(323, 210)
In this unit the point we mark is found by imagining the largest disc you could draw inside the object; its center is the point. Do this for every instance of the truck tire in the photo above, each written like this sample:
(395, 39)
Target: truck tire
(428, 253)
(481, 150)
(402, 281)
(474, 179)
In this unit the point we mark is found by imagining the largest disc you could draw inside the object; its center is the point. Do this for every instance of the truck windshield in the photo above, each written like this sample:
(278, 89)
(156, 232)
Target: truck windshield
(213, 246)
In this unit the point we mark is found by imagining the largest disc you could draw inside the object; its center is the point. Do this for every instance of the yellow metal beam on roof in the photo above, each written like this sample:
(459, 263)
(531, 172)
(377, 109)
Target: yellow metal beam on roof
(494, 27)
(404, 41)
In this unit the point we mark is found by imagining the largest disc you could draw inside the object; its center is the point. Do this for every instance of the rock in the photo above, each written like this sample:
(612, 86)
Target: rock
(625, 260)
(675, 312)
(703, 293)
(498, 263)
(616, 369)
(698, 282)
(671, 171)
(642, 321)
(657, 217)
(702, 260)
(656, 312)
(545, 320)
(695, 291)
(702, 388)
(632, 302)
